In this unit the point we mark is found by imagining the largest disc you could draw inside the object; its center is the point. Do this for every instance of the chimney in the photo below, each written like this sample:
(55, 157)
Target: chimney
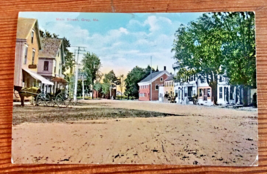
(164, 68)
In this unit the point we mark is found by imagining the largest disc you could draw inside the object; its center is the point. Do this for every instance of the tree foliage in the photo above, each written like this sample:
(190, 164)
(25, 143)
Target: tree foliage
(133, 78)
(215, 44)
(110, 77)
(91, 66)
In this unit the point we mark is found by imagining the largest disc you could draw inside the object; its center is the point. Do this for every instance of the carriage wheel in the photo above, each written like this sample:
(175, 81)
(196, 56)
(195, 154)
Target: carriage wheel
(39, 101)
(60, 102)
(50, 101)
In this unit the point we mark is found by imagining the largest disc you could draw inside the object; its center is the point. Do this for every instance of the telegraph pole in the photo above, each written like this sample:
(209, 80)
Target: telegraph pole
(151, 78)
(76, 73)
(83, 85)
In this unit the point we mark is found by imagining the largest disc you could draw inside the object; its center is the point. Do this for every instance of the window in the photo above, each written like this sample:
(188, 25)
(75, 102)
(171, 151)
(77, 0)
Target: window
(220, 92)
(59, 72)
(32, 35)
(202, 80)
(220, 79)
(25, 55)
(191, 78)
(200, 92)
(33, 55)
(232, 92)
(157, 87)
(46, 64)
(185, 91)
(209, 92)
(161, 79)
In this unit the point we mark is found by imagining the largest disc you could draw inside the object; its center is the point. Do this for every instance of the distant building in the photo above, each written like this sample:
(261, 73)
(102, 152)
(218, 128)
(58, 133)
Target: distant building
(198, 85)
(155, 80)
(167, 89)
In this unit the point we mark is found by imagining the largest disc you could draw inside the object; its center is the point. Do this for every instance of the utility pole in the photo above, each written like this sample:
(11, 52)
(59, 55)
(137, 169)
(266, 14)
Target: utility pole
(76, 73)
(151, 78)
(83, 85)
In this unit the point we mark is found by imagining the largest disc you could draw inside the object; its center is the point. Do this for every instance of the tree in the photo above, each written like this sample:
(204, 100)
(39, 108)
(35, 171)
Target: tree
(91, 66)
(133, 78)
(110, 77)
(239, 47)
(121, 82)
(209, 47)
(69, 62)
(97, 86)
(105, 88)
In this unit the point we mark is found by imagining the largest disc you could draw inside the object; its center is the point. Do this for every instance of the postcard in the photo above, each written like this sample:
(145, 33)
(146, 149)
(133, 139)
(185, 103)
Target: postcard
(135, 88)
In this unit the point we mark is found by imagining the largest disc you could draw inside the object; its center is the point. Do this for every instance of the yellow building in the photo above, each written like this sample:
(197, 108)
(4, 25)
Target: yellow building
(28, 45)
(121, 88)
(169, 86)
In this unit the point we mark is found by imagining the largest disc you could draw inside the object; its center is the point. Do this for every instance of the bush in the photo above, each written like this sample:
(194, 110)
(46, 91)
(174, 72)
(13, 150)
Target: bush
(118, 97)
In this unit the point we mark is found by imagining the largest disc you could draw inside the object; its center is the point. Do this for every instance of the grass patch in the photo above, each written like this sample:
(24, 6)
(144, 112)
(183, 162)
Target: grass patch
(45, 115)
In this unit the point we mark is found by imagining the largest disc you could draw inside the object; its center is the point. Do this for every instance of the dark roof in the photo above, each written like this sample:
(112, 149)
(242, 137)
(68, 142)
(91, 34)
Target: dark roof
(50, 47)
(169, 78)
(151, 76)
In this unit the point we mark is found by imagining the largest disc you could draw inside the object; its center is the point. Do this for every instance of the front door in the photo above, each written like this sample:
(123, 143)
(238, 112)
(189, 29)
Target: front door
(189, 92)
(226, 94)
(205, 96)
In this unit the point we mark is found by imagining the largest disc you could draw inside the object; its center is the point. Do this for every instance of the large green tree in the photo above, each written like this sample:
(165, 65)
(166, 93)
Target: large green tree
(210, 46)
(239, 47)
(133, 78)
(110, 77)
(91, 66)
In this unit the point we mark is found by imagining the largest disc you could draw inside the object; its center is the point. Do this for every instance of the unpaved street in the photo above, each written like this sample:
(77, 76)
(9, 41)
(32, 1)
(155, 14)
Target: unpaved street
(188, 135)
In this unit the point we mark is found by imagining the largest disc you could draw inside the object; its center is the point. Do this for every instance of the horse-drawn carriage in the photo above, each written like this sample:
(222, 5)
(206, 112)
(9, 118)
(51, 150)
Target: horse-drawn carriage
(48, 95)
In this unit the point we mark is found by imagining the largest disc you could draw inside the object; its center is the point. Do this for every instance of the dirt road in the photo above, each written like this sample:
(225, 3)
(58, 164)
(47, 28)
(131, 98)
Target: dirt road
(198, 136)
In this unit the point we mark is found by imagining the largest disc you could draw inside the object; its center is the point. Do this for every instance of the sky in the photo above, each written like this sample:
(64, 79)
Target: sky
(121, 40)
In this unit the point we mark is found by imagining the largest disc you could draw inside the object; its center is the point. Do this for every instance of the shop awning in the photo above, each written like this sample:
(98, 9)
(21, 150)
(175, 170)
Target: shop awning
(38, 77)
(59, 80)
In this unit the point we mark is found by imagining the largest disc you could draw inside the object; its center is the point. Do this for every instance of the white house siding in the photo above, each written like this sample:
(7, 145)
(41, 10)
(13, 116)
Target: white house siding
(161, 93)
(205, 98)
(233, 95)
(184, 91)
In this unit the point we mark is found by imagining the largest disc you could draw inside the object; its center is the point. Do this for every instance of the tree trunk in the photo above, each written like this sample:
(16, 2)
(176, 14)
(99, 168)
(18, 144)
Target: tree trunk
(214, 85)
(92, 90)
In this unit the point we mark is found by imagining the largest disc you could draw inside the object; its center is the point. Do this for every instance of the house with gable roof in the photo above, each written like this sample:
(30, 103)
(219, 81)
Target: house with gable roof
(149, 86)
(51, 60)
(28, 45)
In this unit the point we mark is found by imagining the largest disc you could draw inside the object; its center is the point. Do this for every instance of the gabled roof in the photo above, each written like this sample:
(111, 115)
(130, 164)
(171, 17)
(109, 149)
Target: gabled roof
(25, 26)
(50, 47)
(153, 76)
(169, 78)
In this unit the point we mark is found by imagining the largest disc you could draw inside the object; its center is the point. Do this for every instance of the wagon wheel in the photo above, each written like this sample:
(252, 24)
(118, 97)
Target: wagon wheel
(69, 102)
(39, 100)
(60, 102)
(50, 101)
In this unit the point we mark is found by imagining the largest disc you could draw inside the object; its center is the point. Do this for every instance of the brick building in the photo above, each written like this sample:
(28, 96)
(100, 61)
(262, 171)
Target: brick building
(155, 79)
